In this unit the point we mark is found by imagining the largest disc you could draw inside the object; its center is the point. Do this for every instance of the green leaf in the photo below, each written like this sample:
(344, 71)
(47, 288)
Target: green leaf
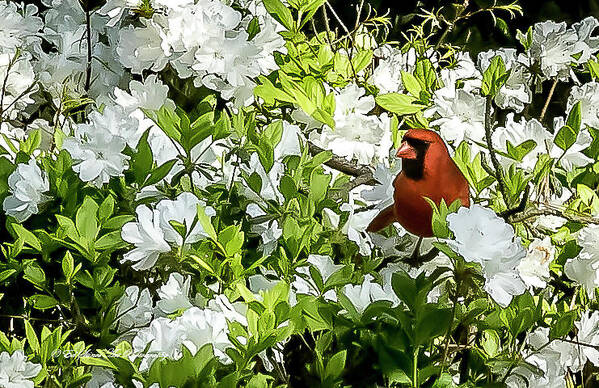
(520, 151)
(35, 274)
(85, 219)
(411, 84)
(319, 185)
(110, 240)
(562, 325)
(32, 339)
(335, 365)
(27, 237)
(117, 222)
(491, 343)
(68, 265)
(159, 173)
(204, 220)
(565, 137)
(593, 67)
(574, 118)
(6, 274)
(43, 302)
(167, 120)
(231, 238)
(142, 160)
(494, 77)
(280, 12)
(402, 104)
(106, 208)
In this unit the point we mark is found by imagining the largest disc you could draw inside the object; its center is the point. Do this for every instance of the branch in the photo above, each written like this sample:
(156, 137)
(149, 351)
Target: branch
(362, 172)
(544, 110)
(518, 209)
(535, 212)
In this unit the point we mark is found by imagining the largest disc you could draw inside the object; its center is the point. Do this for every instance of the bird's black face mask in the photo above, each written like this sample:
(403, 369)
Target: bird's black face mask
(414, 167)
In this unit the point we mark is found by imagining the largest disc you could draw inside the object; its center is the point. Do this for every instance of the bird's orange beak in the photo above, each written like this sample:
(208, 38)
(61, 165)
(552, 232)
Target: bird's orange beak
(406, 151)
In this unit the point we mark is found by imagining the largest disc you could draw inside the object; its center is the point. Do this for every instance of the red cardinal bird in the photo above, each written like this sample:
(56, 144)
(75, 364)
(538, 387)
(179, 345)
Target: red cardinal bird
(427, 171)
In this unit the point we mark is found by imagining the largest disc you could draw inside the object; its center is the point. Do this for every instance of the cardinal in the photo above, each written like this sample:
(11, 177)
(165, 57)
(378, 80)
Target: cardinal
(427, 171)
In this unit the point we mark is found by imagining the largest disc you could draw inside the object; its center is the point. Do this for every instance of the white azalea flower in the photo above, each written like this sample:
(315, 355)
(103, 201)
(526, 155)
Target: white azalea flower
(573, 156)
(134, 309)
(174, 295)
(588, 333)
(183, 210)
(16, 371)
(165, 337)
(325, 266)
(355, 227)
(356, 134)
(549, 359)
(18, 81)
(552, 48)
(516, 92)
(587, 45)
(459, 114)
(584, 268)
(26, 185)
(140, 48)
(382, 193)
(534, 268)
(20, 25)
(517, 132)
(115, 9)
(97, 146)
(147, 236)
(387, 75)
(588, 96)
(101, 378)
(205, 327)
(362, 295)
(151, 94)
(464, 70)
(482, 237)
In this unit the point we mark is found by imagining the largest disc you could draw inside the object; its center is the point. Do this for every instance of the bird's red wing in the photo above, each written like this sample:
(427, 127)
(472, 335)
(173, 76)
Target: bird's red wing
(385, 218)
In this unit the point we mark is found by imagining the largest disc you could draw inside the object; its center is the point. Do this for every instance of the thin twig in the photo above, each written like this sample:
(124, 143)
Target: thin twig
(350, 36)
(544, 110)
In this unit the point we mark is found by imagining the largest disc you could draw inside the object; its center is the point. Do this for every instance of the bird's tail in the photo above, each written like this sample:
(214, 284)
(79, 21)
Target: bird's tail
(385, 218)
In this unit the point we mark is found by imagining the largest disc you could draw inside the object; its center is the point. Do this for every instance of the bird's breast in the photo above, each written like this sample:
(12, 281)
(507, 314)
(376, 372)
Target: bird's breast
(413, 212)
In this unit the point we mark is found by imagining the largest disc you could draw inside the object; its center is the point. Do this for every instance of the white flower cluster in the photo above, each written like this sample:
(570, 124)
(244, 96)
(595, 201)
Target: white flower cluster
(459, 112)
(16, 371)
(584, 268)
(555, 47)
(357, 135)
(97, 147)
(195, 327)
(63, 70)
(387, 75)
(19, 37)
(27, 185)
(207, 40)
(153, 233)
(484, 238)
(555, 358)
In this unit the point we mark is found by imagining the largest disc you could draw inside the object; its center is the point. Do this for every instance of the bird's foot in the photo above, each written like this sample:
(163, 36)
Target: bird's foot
(416, 260)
